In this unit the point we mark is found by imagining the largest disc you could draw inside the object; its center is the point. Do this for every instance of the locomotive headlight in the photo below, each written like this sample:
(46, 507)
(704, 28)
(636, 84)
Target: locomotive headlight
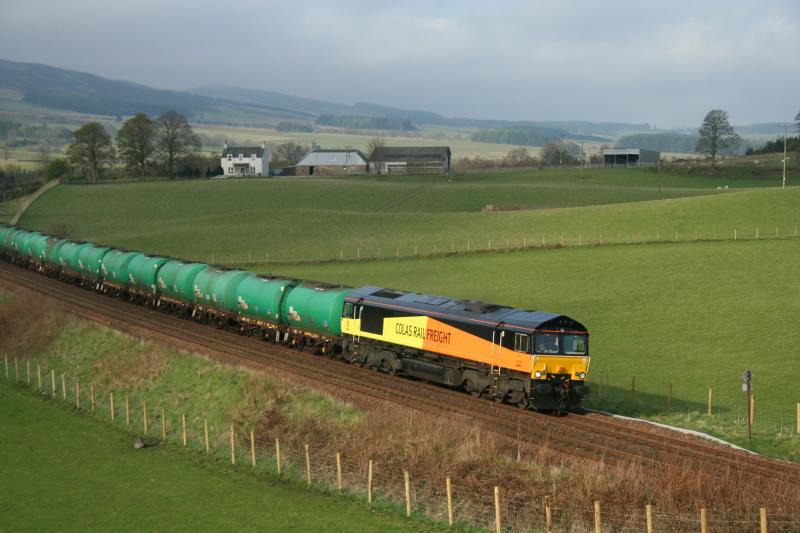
(537, 374)
(582, 375)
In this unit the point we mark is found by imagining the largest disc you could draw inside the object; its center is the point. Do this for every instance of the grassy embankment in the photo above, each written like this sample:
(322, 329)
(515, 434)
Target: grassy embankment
(66, 472)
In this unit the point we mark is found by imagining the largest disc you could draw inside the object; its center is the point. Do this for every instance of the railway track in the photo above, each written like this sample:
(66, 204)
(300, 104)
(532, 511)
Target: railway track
(593, 436)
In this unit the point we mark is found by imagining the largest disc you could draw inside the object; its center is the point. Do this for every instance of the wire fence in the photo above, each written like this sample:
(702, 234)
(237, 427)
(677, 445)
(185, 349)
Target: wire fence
(323, 468)
(332, 253)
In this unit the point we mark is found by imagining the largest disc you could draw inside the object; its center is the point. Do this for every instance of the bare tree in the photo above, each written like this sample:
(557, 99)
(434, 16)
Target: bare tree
(287, 154)
(91, 149)
(174, 139)
(375, 143)
(797, 121)
(716, 135)
(136, 142)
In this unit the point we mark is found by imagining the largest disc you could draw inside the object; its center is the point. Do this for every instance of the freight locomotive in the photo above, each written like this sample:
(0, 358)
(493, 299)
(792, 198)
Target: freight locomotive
(531, 359)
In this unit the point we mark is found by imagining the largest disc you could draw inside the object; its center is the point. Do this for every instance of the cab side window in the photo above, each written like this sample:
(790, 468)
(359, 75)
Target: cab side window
(348, 311)
(521, 343)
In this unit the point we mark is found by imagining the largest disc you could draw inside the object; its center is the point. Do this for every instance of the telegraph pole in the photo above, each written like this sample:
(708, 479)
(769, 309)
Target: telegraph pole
(748, 376)
(785, 127)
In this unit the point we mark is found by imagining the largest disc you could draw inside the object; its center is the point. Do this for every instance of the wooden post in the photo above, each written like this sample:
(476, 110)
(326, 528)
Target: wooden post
(710, 396)
(5, 360)
(183, 429)
(676, 236)
(548, 514)
(449, 487)
(77, 394)
(752, 409)
(600, 391)
(144, 418)
(53, 381)
(562, 240)
(735, 236)
(369, 482)
(498, 526)
(278, 455)
(91, 396)
(163, 425)
(28, 371)
(798, 418)
(763, 517)
(308, 466)
(339, 482)
(111, 404)
(756, 232)
(633, 388)
(597, 527)
(39, 374)
(703, 520)
(63, 387)
(669, 397)
(253, 447)
(16, 369)
(127, 411)
(233, 447)
(649, 513)
(407, 484)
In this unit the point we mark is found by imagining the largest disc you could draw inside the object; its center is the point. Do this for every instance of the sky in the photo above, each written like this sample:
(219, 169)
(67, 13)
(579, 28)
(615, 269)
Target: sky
(662, 62)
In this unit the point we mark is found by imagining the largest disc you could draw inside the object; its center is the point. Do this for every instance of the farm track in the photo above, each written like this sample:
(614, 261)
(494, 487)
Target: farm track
(593, 436)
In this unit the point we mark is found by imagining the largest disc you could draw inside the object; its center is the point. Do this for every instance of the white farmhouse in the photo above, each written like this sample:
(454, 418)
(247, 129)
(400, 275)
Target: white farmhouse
(243, 161)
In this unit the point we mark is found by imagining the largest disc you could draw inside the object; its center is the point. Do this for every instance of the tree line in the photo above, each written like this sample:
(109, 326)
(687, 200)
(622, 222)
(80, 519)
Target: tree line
(143, 146)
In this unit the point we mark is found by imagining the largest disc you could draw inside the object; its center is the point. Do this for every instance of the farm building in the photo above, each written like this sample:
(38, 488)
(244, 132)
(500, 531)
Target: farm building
(241, 161)
(332, 163)
(630, 157)
(410, 160)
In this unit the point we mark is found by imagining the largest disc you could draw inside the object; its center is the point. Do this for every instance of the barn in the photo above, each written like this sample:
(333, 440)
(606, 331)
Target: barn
(391, 160)
(630, 157)
(332, 163)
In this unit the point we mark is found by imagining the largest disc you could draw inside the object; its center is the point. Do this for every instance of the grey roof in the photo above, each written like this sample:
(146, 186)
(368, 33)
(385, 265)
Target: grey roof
(246, 150)
(319, 158)
(409, 153)
(471, 311)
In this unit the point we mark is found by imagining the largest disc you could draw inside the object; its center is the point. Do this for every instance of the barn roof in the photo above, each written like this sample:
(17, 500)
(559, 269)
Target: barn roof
(333, 157)
(409, 153)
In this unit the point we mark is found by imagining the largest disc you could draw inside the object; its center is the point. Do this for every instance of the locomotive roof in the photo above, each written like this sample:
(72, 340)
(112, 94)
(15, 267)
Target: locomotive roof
(472, 311)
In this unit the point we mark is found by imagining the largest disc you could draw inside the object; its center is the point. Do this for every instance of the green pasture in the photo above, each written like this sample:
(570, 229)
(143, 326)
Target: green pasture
(68, 472)
(691, 314)
(293, 219)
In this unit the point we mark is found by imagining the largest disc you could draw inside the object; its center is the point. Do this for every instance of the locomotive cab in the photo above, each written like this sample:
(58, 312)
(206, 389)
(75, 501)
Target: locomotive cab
(560, 367)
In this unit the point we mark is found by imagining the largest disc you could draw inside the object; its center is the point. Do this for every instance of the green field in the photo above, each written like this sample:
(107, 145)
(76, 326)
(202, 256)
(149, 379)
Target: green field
(327, 218)
(66, 472)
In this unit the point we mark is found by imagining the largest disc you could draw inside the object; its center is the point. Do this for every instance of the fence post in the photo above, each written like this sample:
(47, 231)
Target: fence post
(183, 429)
(548, 514)
(91, 396)
(163, 426)
(127, 411)
(278, 455)
(111, 404)
(369, 482)
(703, 520)
(253, 447)
(633, 388)
(752, 409)
(233, 447)
(144, 420)
(77, 394)
(600, 391)
(756, 232)
(205, 433)
(5, 360)
(498, 525)
(339, 482)
(710, 396)
(649, 512)
(597, 528)
(449, 487)
(669, 397)
(16, 369)
(53, 381)
(407, 484)
(798, 418)
(39, 374)
(28, 371)
(763, 517)
(63, 387)
(308, 466)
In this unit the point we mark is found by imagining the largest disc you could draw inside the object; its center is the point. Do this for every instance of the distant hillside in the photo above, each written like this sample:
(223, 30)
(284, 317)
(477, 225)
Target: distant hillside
(663, 142)
(86, 93)
(530, 136)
